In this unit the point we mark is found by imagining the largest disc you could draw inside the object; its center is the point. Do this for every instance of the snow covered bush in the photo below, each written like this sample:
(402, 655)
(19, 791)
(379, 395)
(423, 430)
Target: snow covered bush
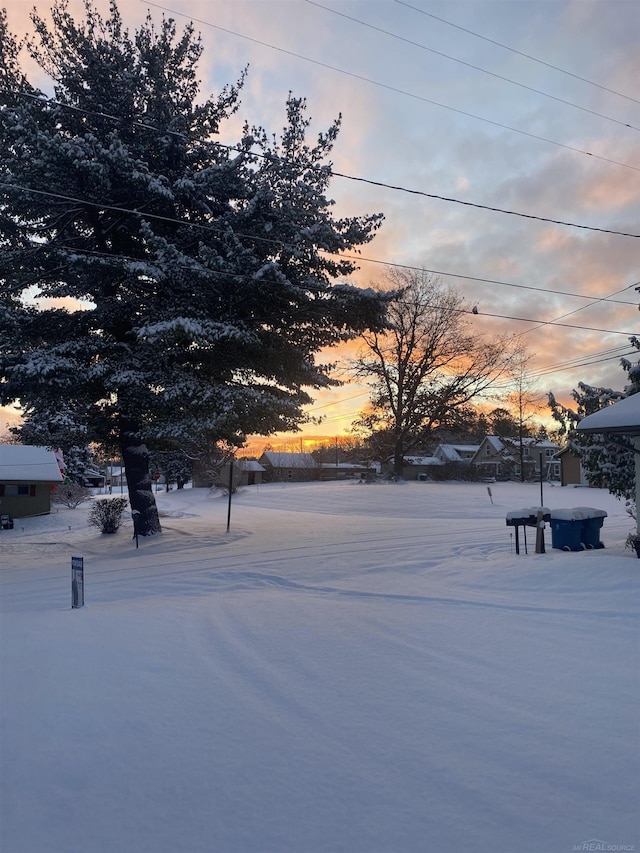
(70, 495)
(107, 514)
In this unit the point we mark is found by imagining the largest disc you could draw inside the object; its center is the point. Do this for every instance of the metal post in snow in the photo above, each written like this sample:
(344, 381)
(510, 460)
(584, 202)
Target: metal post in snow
(230, 491)
(134, 515)
(77, 582)
(541, 497)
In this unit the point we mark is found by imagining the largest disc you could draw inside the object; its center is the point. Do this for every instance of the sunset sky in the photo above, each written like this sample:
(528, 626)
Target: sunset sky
(529, 107)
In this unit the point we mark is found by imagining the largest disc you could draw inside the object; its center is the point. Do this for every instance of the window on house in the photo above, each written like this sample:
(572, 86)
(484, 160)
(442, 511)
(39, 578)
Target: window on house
(13, 490)
(487, 450)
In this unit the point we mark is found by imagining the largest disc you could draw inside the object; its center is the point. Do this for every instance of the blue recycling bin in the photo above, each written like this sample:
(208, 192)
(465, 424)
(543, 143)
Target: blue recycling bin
(566, 533)
(591, 526)
(576, 529)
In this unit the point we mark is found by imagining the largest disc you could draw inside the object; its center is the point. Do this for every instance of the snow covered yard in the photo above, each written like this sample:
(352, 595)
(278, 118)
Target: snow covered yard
(351, 669)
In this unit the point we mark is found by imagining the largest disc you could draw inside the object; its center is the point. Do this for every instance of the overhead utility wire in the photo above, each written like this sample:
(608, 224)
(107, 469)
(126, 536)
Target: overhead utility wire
(478, 313)
(582, 308)
(370, 181)
(586, 363)
(471, 65)
(454, 310)
(360, 258)
(534, 375)
(605, 353)
(482, 206)
(518, 52)
(394, 88)
(121, 257)
(273, 242)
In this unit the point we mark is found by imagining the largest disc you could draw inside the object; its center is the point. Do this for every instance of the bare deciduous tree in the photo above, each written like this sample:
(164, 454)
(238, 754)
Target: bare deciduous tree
(428, 365)
(524, 400)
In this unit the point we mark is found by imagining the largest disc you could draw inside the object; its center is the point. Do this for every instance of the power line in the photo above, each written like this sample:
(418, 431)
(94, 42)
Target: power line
(535, 374)
(585, 363)
(455, 310)
(273, 242)
(548, 323)
(518, 52)
(485, 206)
(393, 88)
(471, 65)
(371, 182)
(582, 308)
(611, 351)
(361, 258)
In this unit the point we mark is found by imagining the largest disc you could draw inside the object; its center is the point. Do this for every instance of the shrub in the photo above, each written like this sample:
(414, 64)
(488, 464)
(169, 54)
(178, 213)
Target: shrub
(107, 514)
(70, 494)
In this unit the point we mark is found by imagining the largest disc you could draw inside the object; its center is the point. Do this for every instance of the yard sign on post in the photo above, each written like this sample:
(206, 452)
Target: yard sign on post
(77, 582)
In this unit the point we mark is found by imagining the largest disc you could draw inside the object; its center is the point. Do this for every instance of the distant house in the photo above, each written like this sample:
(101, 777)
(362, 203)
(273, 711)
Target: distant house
(571, 470)
(246, 472)
(414, 467)
(500, 458)
(251, 472)
(347, 470)
(280, 466)
(27, 476)
(455, 452)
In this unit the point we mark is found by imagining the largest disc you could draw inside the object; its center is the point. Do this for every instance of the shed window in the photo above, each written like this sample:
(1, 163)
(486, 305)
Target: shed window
(15, 490)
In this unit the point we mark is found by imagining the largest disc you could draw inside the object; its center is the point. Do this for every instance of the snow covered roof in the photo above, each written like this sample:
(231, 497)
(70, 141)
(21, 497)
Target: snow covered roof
(251, 465)
(421, 460)
(278, 459)
(496, 442)
(28, 464)
(621, 417)
(455, 452)
(527, 441)
(346, 466)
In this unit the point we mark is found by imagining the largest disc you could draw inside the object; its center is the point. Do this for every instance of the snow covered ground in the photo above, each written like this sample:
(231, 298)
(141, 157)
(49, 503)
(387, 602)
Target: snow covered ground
(357, 668)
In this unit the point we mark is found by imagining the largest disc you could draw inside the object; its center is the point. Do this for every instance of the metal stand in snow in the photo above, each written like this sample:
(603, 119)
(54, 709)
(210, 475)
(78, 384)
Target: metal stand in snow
(134, 515)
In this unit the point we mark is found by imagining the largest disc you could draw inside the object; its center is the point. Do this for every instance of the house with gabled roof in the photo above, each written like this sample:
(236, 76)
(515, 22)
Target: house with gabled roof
(455, 452)
(281, 466)
(413, 467)
(27, 476)
(499, 457)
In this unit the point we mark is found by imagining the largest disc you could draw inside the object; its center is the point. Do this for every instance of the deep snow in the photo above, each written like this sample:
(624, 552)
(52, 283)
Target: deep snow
(357, 668)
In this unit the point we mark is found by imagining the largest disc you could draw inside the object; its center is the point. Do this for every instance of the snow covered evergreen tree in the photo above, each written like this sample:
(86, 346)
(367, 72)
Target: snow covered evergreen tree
(151, 277)
(608, 463)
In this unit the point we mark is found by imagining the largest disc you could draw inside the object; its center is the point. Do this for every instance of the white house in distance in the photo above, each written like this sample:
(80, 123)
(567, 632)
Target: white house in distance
(500, 457)
(281, 466)
(621, 418)
(455, 452)
(27, 475)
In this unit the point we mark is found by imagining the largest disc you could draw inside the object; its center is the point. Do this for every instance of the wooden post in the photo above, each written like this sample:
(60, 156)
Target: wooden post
(540, 533)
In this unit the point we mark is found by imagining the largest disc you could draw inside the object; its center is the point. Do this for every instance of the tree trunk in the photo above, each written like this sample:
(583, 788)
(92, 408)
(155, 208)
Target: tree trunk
(135, 457)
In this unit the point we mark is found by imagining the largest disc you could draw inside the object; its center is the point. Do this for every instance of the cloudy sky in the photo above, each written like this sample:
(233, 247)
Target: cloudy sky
(530, 107)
